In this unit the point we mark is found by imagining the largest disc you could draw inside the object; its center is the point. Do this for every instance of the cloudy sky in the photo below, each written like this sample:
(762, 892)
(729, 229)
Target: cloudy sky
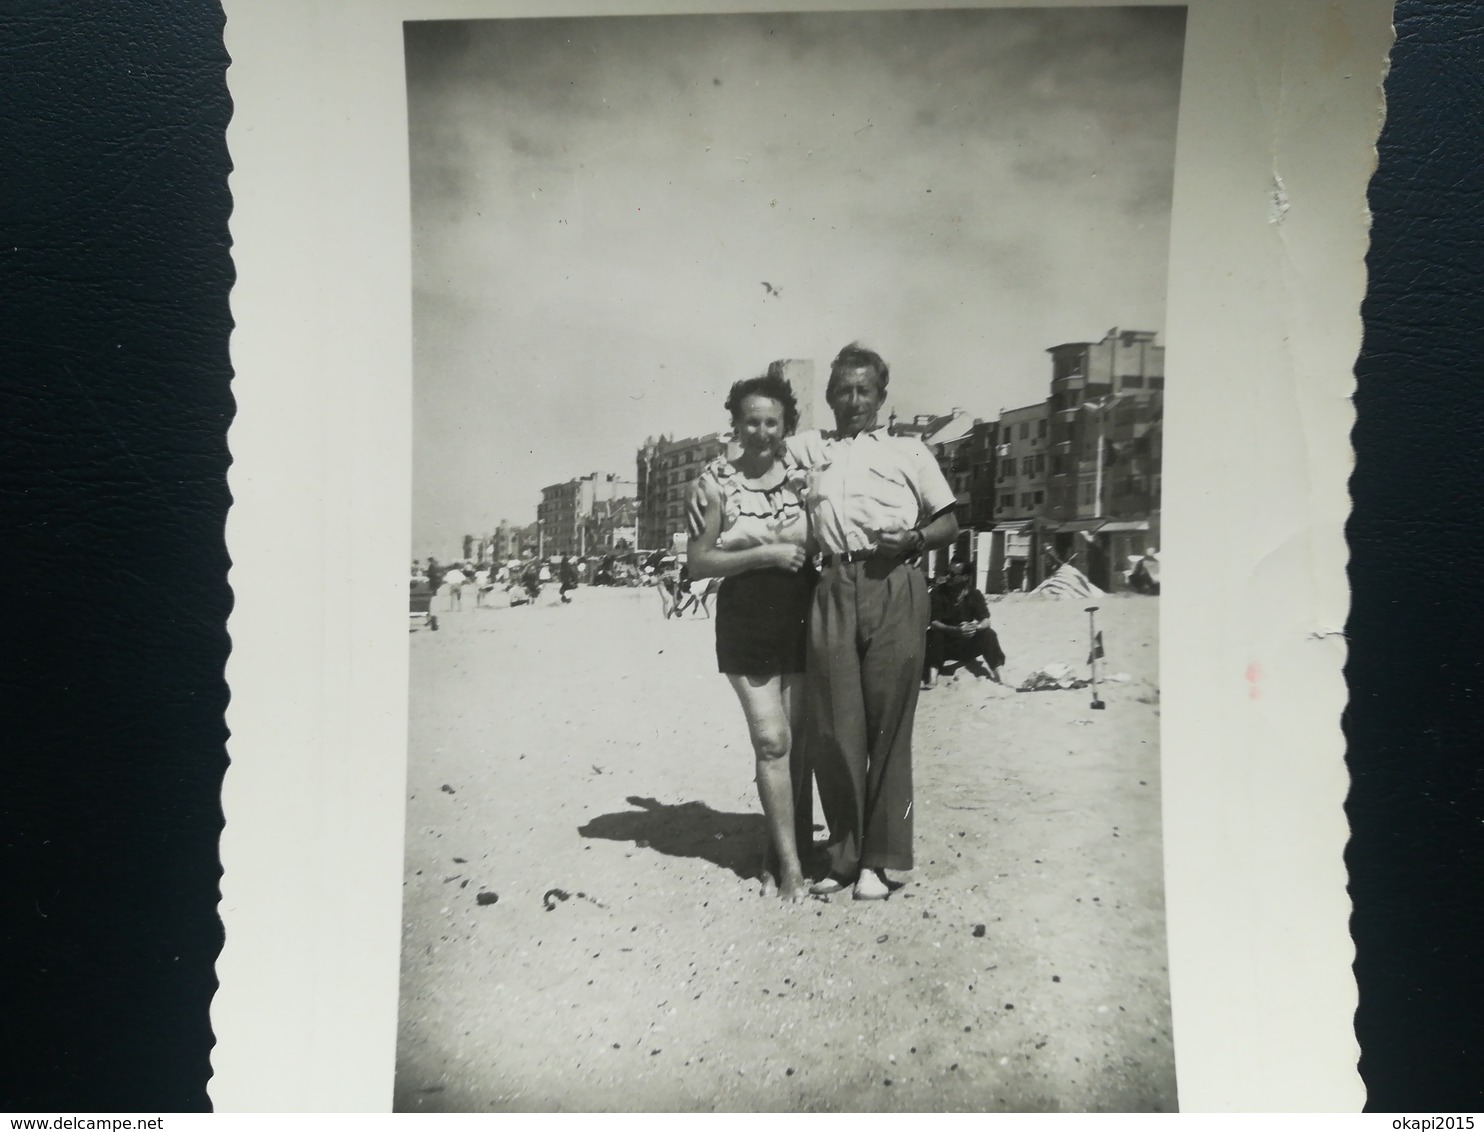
(597, 203)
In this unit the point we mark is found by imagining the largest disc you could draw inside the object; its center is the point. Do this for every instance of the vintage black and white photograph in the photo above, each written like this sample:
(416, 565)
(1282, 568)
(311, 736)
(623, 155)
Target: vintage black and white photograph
(784, 679)
(735, 312)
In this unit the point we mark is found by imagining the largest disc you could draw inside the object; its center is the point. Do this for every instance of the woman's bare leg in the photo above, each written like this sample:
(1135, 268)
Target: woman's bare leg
(800, 766)
(765, 705)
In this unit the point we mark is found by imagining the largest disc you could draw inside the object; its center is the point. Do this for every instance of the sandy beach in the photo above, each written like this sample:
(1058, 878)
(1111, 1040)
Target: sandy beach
(593, 750)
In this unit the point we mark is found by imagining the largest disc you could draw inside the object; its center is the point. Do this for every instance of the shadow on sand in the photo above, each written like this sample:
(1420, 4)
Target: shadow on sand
(691, 829)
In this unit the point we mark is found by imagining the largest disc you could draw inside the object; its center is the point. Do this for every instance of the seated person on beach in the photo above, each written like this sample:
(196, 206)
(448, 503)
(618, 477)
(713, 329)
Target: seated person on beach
(959, 629)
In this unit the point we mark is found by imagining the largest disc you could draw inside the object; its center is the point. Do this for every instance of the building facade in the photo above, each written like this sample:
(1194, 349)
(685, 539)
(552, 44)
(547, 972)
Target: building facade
(612, 528)
(665, 470)
(501, 545)
(505, 542)
(561, 516)
(526, 540)
(922, 426)
(983, 463)
(1107, 412)
(948, 438)
(952, 446)
(1022, 451)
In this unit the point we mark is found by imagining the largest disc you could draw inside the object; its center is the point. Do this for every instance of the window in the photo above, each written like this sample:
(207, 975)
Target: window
(1025, 429)
(1087, 493)
(1131, 381)
(1040, 464)
(1041, 428)
(1068, 365)
(1040, 495)
(1156, 383)
(1025, 499)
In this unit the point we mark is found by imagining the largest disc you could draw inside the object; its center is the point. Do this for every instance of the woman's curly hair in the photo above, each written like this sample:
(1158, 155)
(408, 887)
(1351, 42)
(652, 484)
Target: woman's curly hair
(771, 384)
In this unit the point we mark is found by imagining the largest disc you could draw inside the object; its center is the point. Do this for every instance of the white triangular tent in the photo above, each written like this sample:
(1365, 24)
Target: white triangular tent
(1068, 581)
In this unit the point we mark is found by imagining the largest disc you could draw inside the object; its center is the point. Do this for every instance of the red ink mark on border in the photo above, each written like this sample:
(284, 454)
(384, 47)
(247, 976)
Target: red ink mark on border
(1254, 675)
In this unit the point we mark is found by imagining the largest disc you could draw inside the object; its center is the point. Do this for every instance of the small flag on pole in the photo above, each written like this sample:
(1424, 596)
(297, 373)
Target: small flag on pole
(1097, 648)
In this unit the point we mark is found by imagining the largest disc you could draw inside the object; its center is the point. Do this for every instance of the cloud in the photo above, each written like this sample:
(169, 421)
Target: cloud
(596, 198)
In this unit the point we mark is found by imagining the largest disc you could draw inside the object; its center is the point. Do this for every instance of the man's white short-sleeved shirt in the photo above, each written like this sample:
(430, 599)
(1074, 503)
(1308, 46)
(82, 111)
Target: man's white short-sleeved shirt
(860, 486)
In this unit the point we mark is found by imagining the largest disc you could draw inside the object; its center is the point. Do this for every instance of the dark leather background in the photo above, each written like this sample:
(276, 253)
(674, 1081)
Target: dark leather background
(114, 323)
(1416, 720)
(114, 401)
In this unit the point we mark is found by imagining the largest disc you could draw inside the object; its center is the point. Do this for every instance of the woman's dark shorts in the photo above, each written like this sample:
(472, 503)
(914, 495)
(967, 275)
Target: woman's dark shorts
(762, 622)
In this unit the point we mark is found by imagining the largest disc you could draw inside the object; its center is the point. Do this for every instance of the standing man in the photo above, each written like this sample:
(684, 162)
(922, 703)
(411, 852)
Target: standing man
(876, 502)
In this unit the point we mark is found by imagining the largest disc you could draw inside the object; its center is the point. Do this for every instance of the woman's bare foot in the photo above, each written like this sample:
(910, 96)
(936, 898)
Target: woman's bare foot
(770, 871)
(794, 888)
(786, 881)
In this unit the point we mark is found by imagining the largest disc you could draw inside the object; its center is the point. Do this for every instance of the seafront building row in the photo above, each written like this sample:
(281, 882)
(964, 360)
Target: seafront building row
(1074, 478)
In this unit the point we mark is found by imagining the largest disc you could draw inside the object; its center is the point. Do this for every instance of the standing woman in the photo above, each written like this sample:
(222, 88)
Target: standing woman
(753, 533)
(876, 502)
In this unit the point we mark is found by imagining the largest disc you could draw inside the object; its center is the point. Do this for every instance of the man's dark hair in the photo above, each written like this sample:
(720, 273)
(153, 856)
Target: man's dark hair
(856, 356)
(771, 384)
